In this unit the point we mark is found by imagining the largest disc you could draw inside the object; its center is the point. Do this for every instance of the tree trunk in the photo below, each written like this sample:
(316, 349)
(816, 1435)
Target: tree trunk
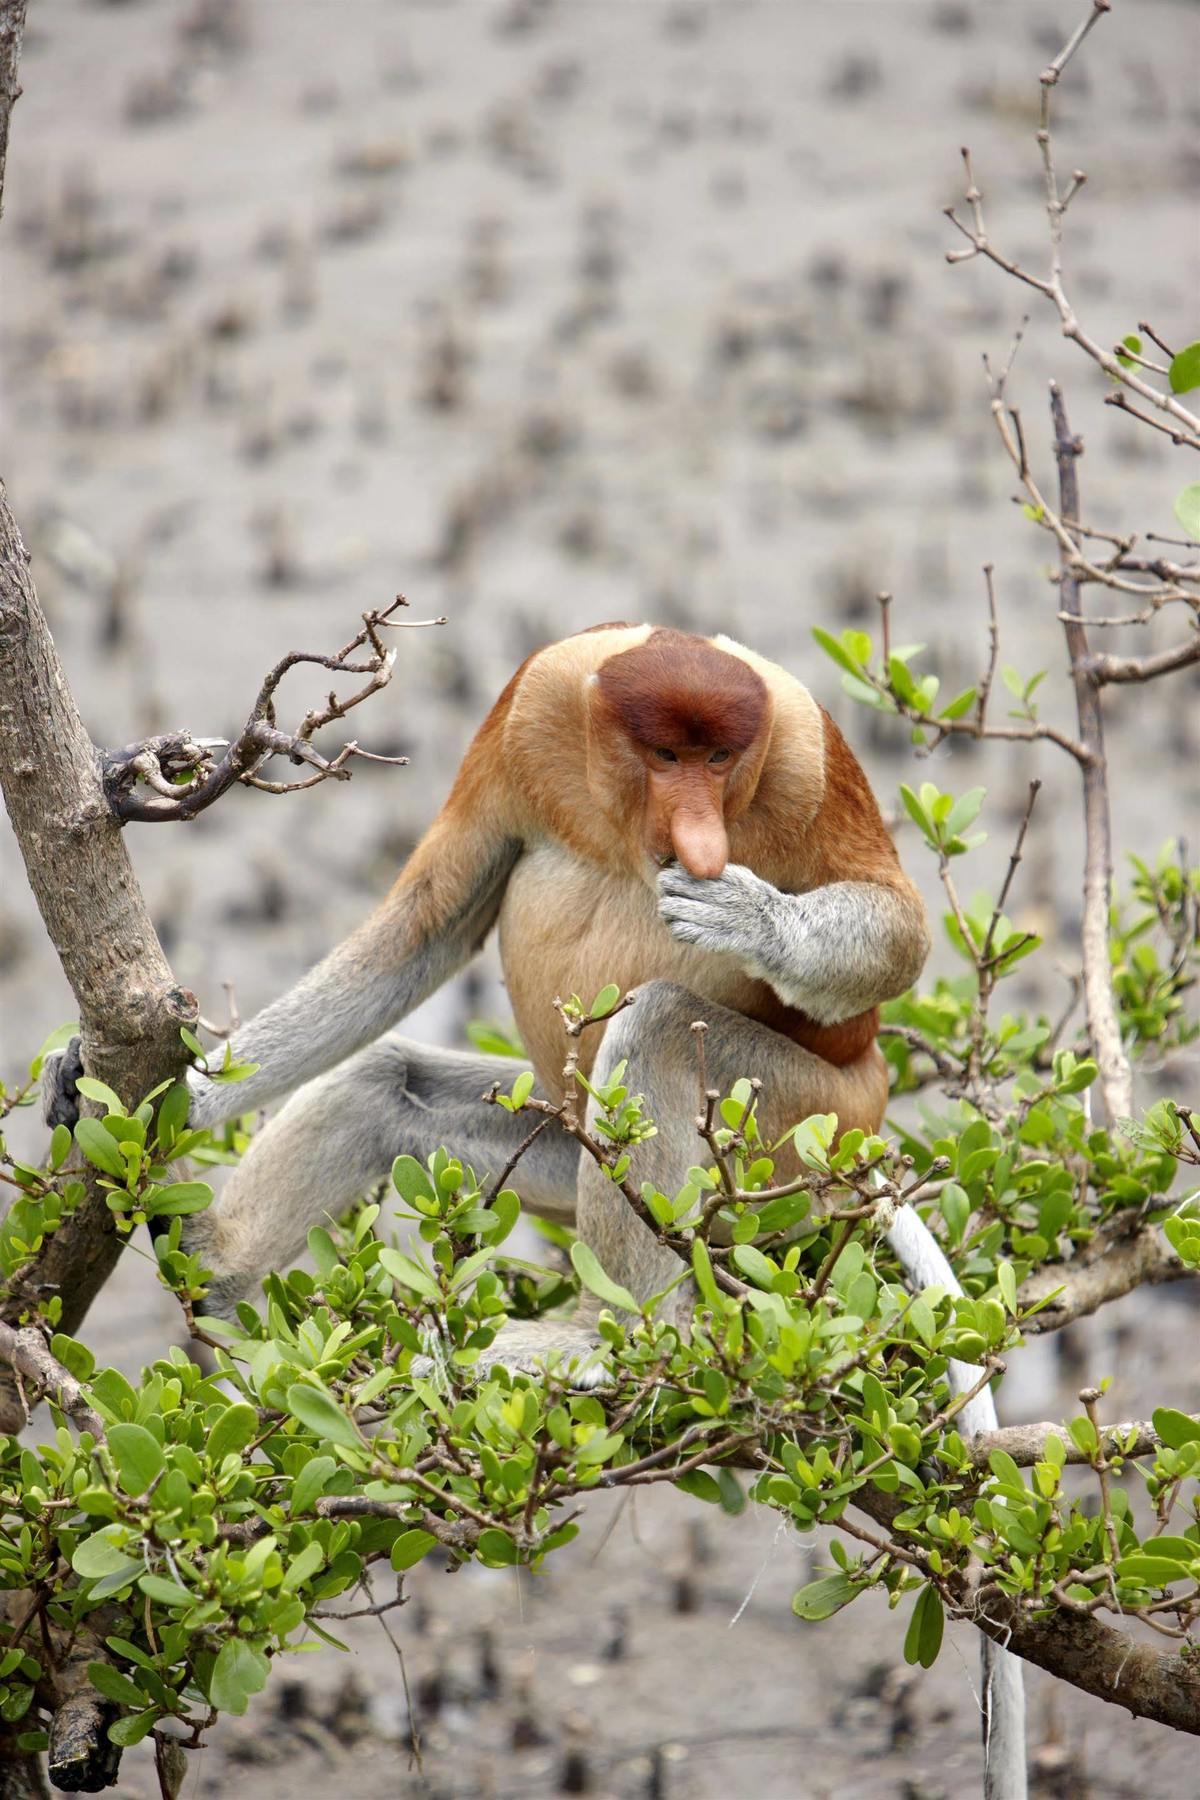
(130, 1008)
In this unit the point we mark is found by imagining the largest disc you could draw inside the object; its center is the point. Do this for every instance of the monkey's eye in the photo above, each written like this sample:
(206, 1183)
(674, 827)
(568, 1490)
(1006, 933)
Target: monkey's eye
(719, 756)
(666, 756)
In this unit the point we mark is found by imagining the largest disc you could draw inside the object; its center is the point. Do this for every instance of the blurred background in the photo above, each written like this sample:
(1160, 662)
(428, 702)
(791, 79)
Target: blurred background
(543, 314)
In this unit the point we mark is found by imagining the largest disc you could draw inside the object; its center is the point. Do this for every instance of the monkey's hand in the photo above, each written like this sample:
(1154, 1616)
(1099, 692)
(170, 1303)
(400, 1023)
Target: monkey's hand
(738, 913)
(832, 952)
(60, 1096)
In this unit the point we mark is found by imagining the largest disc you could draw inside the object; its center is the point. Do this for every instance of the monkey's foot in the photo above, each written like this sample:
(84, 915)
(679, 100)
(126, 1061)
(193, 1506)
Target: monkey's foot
(536, 1347)
(61, 1069)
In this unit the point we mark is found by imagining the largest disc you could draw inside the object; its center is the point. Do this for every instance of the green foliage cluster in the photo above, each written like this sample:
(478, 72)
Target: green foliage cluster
(355, 1426)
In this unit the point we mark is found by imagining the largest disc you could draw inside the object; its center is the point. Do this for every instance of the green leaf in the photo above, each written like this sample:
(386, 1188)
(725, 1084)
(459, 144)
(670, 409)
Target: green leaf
(410, 1547)
(1175, 1428)
(915, 810)
(496, 1548)
(1006, 1281)
(839, 653)
(494, 1041)
(962, 703)
(700, 1485)
(702, 1270)
(922, 1319)
(964, 811)
(923, 1639)
(98, 1555)
(1184, 372)
(100, 1092)
(753, 1263)
(821, 1599)
(522, 1087)
(322, 1414)
(138, 1456)
(167, 1593)
(179, 1197)
(605, 1000)
(60, 1145)
(239, 1672)
(309, 1484)
(302, 1568)
(588, 1268)
(133, 1728)
(114, 1686)
(172, 1114)
(411, 1181)
(1131, 342)
(100, 1148)
(237, 1427)
(403, 1269)
(1187, 509)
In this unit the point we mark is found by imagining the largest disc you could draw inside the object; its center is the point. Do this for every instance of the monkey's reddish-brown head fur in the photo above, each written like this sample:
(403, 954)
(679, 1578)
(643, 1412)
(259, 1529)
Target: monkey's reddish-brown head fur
(682, 693)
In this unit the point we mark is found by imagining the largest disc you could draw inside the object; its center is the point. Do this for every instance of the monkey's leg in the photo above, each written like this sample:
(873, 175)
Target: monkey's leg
(342, 1132)
(654, 1039)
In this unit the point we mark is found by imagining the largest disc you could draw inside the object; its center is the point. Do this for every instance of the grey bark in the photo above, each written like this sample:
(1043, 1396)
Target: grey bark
(130, 1007)
(1116, 1079)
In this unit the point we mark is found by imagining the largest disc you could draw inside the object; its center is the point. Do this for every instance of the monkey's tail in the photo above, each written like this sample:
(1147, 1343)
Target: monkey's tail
(1003, 1698)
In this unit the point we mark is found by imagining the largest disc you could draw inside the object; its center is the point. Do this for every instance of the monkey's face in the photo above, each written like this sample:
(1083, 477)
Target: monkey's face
(685, 805)
(677, 732)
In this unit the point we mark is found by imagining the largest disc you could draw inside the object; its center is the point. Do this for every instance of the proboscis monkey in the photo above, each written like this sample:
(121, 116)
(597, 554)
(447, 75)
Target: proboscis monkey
(670, 813)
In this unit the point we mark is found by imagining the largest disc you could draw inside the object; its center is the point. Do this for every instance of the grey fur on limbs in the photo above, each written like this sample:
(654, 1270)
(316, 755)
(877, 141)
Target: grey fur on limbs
(343, 1004)
(653, 1037)
(341, 1133)
(833, 952)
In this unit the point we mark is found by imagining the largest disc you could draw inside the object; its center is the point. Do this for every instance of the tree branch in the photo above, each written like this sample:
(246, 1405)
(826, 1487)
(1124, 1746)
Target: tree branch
(1026, 1444)
(130, 1007)
(1103, 668)
(1116, 1077)
(174, 776)
(1102, 1273)
(1161, 1685)
(26, 1353)
(12, 33)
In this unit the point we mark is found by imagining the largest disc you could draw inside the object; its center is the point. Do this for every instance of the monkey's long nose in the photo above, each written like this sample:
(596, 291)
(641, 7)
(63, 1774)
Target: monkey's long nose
(699, 841)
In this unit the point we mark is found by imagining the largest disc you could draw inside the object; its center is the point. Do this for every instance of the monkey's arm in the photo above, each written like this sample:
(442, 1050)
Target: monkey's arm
(832, 953)
(855, 935)
(433, 921)
(403, 953)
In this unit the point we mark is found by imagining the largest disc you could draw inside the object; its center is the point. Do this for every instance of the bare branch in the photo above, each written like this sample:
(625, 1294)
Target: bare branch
(1104, 669)
(1051, 285)
(26, 1353)
(185, 775)
(1178, 434)
(1116, 1078)
(1026, 1444)
(1109, 1268)
(130, 1006)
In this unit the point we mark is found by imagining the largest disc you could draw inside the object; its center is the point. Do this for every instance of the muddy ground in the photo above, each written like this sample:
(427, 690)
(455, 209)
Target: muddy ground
(544, 314)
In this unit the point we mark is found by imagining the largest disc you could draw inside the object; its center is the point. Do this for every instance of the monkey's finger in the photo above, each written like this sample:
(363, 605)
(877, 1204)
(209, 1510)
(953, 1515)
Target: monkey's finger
(704, 937)
(679, 911)
(677, 881)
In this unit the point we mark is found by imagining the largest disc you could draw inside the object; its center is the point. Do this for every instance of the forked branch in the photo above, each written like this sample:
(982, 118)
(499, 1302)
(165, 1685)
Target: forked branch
(175, 776)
